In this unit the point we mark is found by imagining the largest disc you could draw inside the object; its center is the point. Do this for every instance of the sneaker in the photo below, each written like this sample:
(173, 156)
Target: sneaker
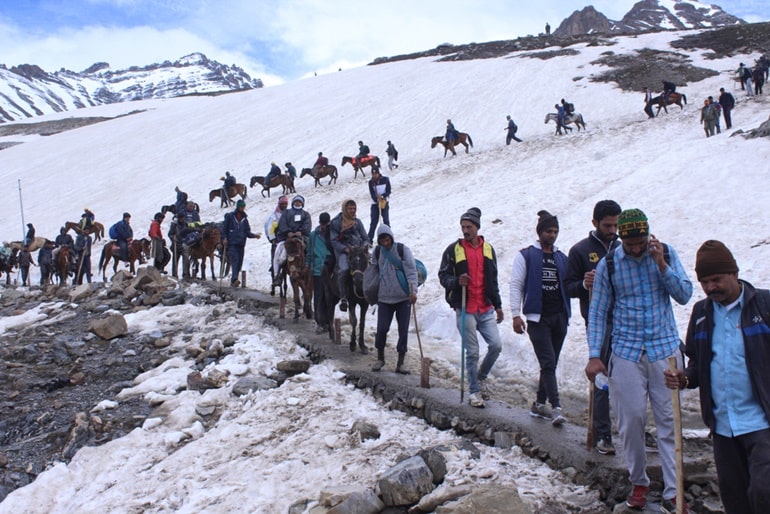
(476, 400)
(650, 442)
(637, 499)
(669, 506)
(539, 410)
(235, 283)
(605, 447)
(557, 418)
(484, 389)
(344, 305)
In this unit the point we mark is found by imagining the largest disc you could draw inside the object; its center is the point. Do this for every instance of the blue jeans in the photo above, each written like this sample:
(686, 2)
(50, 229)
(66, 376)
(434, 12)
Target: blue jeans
(236, 259)
(486, 325)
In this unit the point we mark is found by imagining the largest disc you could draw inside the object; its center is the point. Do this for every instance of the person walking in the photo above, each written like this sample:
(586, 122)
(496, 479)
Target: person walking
(708, 116)
(392, 156)
(236, 230)
(45, 261)
(647, 103)
(157, 242)
(728, 350)
(397, 292)
(581, 269)
(25, 260)
(512, 129)
(317, 254)
(560, 116)
(537, 289)
(727, 101)
(718, 110)
(636, 282)
(346, 232)
(379, 191)
(294, 222)
(468, 273)
(83, 250)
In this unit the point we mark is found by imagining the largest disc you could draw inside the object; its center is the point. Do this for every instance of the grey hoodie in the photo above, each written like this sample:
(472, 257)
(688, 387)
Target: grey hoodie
(390, 288)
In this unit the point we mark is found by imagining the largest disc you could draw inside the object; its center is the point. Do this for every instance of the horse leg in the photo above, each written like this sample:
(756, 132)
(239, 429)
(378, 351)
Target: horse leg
(297, 306)
(361, 343)
(353, 322)
(466, 147)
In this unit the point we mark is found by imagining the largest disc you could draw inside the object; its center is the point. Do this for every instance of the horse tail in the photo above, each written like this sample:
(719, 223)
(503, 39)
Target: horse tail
(470, 141)
(684, 97)
(103, 259)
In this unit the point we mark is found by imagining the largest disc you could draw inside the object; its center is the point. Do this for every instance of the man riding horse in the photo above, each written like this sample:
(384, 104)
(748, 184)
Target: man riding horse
(347, 232)
(228, 185)
(294, 222)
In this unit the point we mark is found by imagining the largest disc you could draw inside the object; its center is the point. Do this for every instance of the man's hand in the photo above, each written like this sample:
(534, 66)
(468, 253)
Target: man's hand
(500, 315)
(464, 279)
(655, 248)
(675, 379)
(518, 325)
(413, 298)
(588, 279)
(594, 367)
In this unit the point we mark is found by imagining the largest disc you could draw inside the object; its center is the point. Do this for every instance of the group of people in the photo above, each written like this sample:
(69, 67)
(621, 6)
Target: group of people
(752, 79)
(712, 109)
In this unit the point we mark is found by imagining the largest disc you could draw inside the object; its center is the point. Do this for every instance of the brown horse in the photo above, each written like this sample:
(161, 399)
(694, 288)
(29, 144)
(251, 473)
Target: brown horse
(298, 271)
(211, 240)
(238, 189)
(7, 265)
(96, 228)
(35, 244)
(63, 264)
(281, 180)
(673, 98)
(462, 139)
(369, 160)
(138, 249)
(319, 172)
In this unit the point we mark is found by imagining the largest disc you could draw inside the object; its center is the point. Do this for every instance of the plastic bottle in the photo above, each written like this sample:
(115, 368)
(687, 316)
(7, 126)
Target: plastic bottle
(602, 382)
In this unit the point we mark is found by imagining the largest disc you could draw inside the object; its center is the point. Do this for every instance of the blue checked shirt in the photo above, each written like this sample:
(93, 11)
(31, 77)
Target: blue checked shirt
(643, 317)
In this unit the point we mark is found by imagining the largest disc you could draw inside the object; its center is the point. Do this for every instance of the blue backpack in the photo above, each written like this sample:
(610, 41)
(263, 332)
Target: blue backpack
(113, 231)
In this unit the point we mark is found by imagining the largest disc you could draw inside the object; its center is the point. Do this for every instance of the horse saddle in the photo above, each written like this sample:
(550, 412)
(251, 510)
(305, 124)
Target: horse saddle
(363, 161)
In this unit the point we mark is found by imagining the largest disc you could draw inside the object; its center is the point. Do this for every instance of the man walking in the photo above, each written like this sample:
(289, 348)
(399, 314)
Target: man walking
(392, 156)
(317, 253)
(581, 269)
(537, 289)
(727, 101)
(636, 282)
(236, 229)
(512, 129)
(379, 191)
(468, 273)
(728, 346)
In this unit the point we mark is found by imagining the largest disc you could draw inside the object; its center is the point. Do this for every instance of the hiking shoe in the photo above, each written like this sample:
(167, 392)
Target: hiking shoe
(539, 410)
(669, 506)
(557, 418)
(650, 442)
(637, 499)
(484, 389)
(476, 400)
(235, 283)
(344, 305)
(605, 447)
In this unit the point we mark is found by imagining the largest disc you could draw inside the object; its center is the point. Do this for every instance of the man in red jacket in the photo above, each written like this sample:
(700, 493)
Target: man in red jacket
(156, 237)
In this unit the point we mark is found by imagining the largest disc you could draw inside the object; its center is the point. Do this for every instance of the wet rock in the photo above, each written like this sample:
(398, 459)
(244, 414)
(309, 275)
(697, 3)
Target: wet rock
(490, 499)
(248, 384)
(430, 502)
(214, 380)
(358, 502)
(293, 367)
(406, 482)
(365, 430)
(109, 327)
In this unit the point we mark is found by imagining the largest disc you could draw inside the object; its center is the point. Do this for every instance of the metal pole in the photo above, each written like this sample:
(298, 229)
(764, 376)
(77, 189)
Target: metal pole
(21, 210)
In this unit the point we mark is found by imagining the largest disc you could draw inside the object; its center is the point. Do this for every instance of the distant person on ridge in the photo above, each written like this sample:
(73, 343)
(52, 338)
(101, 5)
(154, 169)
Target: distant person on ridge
(512, 129)
(547, 29)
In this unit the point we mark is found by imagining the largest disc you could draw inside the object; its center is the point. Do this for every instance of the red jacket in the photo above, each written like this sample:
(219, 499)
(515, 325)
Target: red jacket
(155, 232)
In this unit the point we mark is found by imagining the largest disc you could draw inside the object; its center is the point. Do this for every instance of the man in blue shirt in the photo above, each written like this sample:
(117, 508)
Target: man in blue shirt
(728, 345)
(639, 290)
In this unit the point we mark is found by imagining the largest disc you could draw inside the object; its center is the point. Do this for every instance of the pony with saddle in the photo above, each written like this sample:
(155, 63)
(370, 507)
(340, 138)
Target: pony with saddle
(210, 241)
(368, 160)
(449, 146)
(575, 118)
(673, 99)
(285, 181)
(296, 269)
(95, 228)
(63, 264)
(236, 190)
(138, 250)
(319, 172)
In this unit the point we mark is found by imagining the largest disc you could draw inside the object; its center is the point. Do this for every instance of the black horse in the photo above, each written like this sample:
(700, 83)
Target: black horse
(358, 260)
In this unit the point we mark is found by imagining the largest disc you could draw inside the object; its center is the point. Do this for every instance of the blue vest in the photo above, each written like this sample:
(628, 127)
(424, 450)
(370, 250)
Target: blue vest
(533, 284)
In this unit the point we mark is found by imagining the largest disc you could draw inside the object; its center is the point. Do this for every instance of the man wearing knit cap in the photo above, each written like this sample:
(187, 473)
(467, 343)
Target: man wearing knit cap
(294, 222)
(537, 290)
(470, 264)
(728, 347)
(637, 292)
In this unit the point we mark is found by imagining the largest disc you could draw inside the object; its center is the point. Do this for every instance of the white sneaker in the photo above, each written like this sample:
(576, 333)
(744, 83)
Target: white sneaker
(558, 419)
(475, 400)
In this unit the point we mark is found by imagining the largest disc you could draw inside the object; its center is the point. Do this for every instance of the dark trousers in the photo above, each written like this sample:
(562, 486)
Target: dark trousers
(319, 302)
(24, 274)
(743, 469)
(511, 135)
(84, 269)
(236, 259)
(123, 244)
(648, 110)
(728, 118)
(375, 219)
(547, 337)
(385, 313)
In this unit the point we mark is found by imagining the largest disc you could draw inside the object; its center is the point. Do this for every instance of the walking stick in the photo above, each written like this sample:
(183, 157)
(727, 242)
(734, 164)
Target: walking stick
(462, 346)
(590, 434)
(677, 442)
(424, 361)
(222, 266)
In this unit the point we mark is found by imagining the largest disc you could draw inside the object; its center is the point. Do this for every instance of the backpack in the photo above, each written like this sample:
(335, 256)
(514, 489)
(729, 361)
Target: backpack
(192, 239)
(569, 108)
(422, 270)
(113, 231)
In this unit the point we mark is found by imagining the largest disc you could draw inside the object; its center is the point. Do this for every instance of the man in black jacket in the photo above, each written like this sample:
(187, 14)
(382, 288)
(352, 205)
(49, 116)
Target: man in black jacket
(728, 346)
(581, 268)
(727, 101)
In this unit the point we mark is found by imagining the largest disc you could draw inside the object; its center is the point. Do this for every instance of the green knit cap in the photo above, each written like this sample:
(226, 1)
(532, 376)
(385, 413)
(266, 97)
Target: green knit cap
(633, 223)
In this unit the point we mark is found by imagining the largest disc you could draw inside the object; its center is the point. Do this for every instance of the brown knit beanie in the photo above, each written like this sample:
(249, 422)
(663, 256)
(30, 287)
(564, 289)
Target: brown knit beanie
(713, 258)
(546, 220)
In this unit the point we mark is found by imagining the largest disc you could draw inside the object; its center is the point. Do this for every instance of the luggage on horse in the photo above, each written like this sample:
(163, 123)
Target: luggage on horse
(192, 239)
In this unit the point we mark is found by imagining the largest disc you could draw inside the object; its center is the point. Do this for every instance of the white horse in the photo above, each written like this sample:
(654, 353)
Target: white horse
(575, 118)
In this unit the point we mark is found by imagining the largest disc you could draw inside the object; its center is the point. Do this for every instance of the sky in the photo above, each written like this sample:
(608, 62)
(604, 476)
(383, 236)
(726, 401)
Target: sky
(275, 40)
(688, 185)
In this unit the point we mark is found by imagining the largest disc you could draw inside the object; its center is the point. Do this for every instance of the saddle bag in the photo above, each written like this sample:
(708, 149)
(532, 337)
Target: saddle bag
(192, 239)
(371, 284)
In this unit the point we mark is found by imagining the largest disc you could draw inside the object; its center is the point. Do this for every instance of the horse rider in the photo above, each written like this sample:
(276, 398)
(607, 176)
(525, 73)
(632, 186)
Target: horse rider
(321, 161)
(451, 132)
(192, 220)
(647, 102)
(30, 234)
(347, 231)
(363, 152)
(181, 200)
(228, 184)
(63, 239)
(668, 88)
(569, 108)
(124, 233)
(291, 170)
(294, 222)
(87, 219)
(560, 116)
(274, 172)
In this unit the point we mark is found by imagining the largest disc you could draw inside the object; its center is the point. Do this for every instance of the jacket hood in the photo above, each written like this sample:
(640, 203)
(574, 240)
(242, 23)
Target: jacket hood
(296, 199)
(385, 230)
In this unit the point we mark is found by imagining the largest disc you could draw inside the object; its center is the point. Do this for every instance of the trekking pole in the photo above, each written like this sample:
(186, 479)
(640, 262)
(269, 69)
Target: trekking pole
(222, 266)
(462, 346)
(677, 442)
(424, 362)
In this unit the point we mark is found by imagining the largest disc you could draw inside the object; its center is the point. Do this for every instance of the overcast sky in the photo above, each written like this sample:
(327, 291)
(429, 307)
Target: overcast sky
(275, 40)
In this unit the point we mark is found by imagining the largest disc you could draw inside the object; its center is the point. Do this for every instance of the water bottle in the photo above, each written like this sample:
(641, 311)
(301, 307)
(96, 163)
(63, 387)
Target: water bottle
(602, 382)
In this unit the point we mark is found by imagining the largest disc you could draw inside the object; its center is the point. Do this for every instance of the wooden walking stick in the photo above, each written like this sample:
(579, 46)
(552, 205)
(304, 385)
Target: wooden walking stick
(424, 361)
(678, 458)
(462, 346)
(590, 436)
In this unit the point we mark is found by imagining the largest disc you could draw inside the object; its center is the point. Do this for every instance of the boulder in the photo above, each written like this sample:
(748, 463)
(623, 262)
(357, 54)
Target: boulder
(80, 293)
(350, 500)
(407, 482)
(248, 384)
(489, 499)
(293, 367)
(365, 430)
(109, 327)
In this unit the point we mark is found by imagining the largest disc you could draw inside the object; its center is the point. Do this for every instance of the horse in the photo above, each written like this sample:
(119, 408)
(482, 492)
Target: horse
(96, 228)
(298, 271)
(36, 244)
(462, 139)
(238, 189)
(575, 118)
(211, 240)
(172, 208)
(358, 260)
(7, 265)
(285, 181)
(319, 172)
(369, 160)
(138, 249)
(673, 98)
(63, 264)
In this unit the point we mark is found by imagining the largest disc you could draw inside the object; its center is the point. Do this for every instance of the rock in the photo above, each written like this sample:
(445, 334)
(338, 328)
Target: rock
(503, 440)
(489, 499)
(435, 460)
(77, 379)
(429, 502)
(293, 367)
(79, 435)
(109, 327)
(80, 293)
(162, 342)
(248, 384)
(365, 430)
(406, 482)
(350, 500)
(214, 380)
